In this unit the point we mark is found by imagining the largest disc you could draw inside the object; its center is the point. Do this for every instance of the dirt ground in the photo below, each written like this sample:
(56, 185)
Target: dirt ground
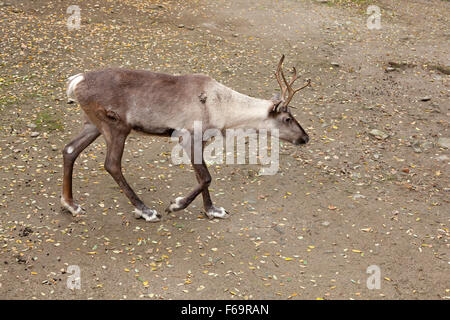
(351, 198)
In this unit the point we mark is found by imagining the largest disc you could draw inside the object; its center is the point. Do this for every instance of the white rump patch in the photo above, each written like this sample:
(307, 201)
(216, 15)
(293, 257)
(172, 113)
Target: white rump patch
(70, 150)
(71, 85)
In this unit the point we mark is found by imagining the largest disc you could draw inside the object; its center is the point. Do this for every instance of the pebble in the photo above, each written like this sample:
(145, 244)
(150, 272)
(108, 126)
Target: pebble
(157, 7)
(34, 134)
(444, 143)
(390, 69)
(358, 196)
(427, 145)
(379, 134)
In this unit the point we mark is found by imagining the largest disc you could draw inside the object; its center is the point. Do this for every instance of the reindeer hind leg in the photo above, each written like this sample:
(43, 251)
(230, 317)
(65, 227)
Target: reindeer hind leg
(70, 153)
(115, 142)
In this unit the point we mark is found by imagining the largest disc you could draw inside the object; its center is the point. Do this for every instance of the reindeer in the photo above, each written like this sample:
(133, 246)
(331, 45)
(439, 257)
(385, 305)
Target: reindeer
(118, 101)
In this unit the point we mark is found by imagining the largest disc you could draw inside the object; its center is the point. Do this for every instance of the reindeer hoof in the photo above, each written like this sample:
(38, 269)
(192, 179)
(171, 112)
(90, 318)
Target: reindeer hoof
(217, 212)
(74, 209)
(176, 205)
(149, 215)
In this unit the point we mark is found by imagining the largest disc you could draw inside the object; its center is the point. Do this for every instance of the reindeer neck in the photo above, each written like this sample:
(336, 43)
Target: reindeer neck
(242, 111)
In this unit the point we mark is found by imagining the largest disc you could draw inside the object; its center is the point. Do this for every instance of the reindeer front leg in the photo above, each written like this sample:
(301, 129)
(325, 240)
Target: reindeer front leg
(204, 179)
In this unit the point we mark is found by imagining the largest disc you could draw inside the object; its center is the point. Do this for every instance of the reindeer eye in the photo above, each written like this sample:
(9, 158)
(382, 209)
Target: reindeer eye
(287, 120)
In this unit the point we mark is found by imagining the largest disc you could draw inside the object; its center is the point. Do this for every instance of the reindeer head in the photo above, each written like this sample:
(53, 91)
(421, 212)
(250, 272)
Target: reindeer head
(279, 113)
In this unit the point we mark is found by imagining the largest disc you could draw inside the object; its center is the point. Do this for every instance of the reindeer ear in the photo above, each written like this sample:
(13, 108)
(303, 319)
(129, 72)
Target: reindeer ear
(275, 107)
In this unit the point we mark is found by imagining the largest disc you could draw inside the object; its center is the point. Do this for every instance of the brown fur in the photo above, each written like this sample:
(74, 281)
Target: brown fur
(143, 100)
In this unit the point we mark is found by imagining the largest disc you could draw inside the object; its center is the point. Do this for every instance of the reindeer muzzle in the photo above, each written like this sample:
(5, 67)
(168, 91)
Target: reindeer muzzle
(302, 140)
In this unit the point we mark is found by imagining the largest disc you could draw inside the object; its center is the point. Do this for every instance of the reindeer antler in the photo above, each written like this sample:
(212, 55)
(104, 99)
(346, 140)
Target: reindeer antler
(277, 74)
(291, 92)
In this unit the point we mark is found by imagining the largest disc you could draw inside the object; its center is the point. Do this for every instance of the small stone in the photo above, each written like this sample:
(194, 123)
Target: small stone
(357, 196)
(34, 134)
(420, 147)
(416, 147)
(436, 108)
(326, 223)
(156, 7)
(335, 64)
(180, 25)
(277, 229)
(443, 69)
(444, 143)
(355, 175)
(426, 98)
(190, 28)
(390, 69)
(31, 125)
(427, 145)
(235, 35)
(379, 134)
